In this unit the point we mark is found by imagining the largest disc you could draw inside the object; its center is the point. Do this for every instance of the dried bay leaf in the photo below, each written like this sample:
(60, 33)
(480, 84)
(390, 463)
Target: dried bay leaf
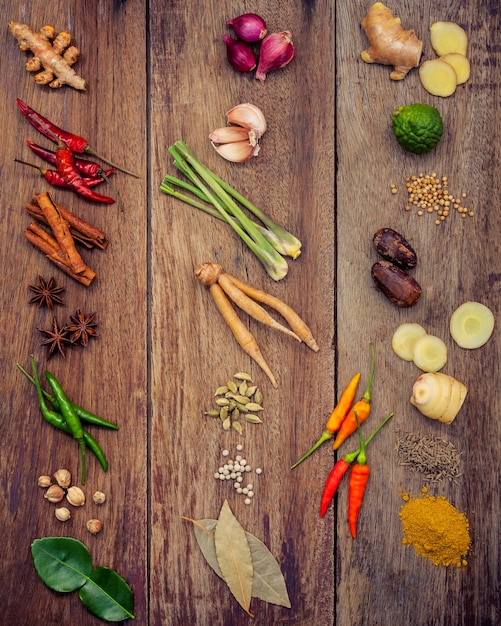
(268, 583)
(234, 556)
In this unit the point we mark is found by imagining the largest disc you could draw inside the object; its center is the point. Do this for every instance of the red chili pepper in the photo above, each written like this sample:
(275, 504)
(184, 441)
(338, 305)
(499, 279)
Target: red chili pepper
(65, 162)
(359, 477)
(54, 133)
(86, 168)
(340, 469)
(55, 179)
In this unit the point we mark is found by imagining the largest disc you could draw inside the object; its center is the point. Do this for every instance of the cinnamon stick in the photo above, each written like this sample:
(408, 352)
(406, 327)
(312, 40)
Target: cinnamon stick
(42, 240)
(61, 231)
(82, 232)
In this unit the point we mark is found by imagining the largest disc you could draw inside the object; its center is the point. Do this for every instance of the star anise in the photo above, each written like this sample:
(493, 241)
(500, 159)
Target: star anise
(82, 328)
(46, 293)
(56, 338)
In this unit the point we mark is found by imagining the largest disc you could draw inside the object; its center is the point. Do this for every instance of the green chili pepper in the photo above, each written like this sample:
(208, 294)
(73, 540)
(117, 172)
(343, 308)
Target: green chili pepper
(83, 414)
(57, 420)
(70, 417)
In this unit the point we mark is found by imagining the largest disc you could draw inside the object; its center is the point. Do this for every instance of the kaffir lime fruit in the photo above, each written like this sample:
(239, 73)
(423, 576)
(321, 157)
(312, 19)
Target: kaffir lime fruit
(417, 127)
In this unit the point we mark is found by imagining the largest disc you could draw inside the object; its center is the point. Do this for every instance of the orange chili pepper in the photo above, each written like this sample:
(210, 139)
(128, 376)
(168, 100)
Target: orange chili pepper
(359, 477)
(362, 408)
(336, 418)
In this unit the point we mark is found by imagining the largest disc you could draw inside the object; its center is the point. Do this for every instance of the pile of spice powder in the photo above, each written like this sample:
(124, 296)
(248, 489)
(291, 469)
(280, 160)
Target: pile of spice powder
(436, 529)
(434, 457)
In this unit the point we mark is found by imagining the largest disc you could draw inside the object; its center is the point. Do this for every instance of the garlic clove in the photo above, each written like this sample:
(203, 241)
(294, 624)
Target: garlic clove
(248, 116)
(229, 134)
(237, 152)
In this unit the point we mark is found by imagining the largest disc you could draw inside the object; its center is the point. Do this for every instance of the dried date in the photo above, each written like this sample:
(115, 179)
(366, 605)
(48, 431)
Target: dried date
(396, 284)
(393, 247)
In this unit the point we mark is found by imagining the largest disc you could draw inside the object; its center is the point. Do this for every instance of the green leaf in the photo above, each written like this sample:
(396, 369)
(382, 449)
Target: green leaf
(107, 595)
(234, 556)
(62, 563)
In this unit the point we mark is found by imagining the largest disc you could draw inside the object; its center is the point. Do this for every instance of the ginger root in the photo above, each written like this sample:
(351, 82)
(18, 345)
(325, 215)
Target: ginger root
(53, 55)
(390, 44)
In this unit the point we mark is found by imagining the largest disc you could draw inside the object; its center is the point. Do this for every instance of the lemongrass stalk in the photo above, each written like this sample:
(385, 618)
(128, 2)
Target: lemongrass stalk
(274, 264)
(286, 242)
(167, 188)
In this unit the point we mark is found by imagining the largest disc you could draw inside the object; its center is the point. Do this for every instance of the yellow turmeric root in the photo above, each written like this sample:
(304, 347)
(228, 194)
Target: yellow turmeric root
(390, 44)
(53, 55)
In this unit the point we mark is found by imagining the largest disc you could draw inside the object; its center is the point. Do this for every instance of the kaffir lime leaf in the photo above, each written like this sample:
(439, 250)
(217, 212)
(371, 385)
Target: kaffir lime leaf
(417, 127)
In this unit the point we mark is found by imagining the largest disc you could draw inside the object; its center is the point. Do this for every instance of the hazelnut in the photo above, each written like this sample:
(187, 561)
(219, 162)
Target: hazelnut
(63, 514)
(54, 493)
(44, 481)
(75, 496)
(99, 497)
(63, 478)
(94, 526)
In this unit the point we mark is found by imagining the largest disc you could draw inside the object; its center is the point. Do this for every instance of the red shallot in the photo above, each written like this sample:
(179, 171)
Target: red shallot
(240, 55)
(277, 50)
(248, 27)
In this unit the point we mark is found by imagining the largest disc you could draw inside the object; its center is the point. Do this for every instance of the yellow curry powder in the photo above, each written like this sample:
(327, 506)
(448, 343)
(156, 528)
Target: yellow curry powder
(436, 529)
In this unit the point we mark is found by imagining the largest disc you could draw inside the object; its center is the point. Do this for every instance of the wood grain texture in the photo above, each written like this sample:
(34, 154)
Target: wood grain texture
(157, 72)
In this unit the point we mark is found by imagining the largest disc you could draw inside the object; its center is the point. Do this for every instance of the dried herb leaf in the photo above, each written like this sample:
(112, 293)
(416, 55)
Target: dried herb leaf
(268, 583)
(234, 556)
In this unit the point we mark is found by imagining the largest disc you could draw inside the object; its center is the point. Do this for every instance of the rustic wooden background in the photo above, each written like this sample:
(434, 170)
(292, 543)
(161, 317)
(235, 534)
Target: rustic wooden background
(157, 72)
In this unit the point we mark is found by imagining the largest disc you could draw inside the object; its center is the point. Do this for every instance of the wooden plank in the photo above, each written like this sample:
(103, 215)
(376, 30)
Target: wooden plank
(379, 580)
(293, 180)
(109, 375)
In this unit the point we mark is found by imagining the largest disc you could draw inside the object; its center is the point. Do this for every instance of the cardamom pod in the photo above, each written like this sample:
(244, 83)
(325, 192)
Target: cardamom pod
(242, 388)
(220, 391)
(238, 427)
(250, 391)
(232, 386)
(212, 413)
(254, 419)
(227, 424)
(242, 399)
(243, 376)
(222, 402)
(254, 406)
(258, 396)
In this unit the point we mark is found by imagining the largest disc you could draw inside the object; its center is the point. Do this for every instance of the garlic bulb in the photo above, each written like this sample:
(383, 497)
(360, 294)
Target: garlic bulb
(239, 142)
(438, 396)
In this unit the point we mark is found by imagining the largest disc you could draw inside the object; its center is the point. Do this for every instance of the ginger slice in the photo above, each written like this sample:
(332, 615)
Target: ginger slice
(429, 353)
(438, 77)
(390, 43)
(471, 325)
(54, 55)
(460, 64)
(448, 37)
(404, 338)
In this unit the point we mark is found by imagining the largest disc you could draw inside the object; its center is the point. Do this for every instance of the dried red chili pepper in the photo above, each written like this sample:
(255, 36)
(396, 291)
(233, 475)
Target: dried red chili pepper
(74, 142)
(55, 179)
(65, 162)
(86, 168)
